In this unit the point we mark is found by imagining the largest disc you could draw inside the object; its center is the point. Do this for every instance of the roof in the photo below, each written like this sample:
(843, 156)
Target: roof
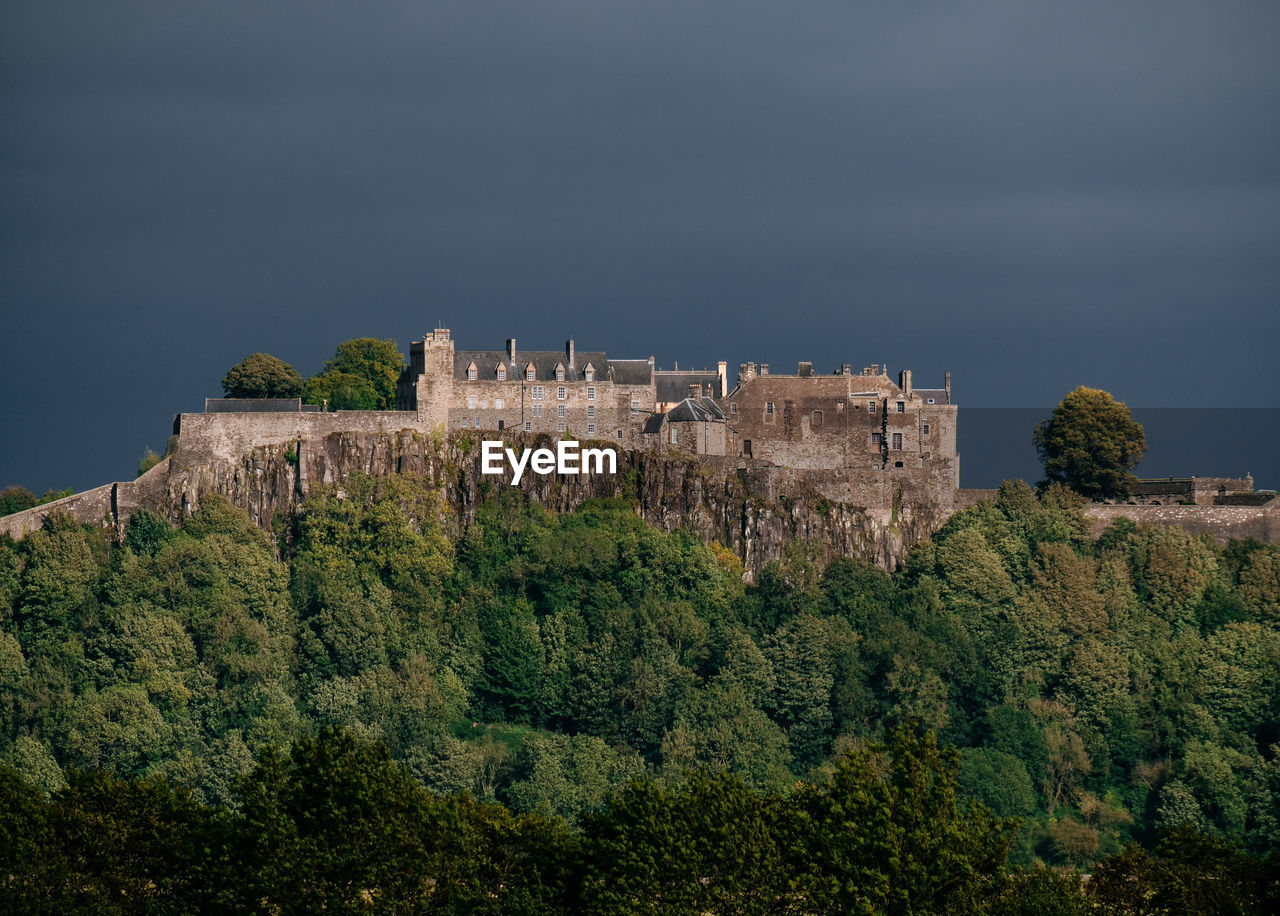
(695, 410)
(939, 395)
(253, 405)
(674, 385)
(619, 371)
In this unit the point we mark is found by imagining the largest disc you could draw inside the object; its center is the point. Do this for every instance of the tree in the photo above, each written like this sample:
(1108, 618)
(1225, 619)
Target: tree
(376, 361)
(148, 460)
(262, 376)
(15, 499)
(341, 391)
(1091, 443)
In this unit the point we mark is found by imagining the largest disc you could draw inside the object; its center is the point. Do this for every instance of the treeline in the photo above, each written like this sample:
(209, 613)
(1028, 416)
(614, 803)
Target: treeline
(335, 826)
(1100, 691)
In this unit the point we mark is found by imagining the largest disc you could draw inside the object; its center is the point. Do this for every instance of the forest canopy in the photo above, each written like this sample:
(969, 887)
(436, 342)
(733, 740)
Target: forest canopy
(1096, 692)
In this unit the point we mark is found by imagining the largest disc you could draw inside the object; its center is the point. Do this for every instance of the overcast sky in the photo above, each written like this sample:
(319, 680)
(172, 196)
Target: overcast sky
(1033, 196)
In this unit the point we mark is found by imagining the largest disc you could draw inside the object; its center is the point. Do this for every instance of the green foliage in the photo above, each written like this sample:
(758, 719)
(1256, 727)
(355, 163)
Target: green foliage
(262, 375)
(341, 391)
(15, 499)
(148, 460)
(1102, 690)
(1090, 443)
(361, 370)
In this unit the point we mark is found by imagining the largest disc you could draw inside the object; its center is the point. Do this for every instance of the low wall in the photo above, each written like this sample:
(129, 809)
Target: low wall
(1223, 523)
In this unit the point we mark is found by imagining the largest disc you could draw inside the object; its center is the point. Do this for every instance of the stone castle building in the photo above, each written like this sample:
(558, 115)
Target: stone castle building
(570, 392)
(806, 421)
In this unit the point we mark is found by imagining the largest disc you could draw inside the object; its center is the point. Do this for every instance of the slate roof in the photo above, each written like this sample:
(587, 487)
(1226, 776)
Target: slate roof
(253, 405)
(624, 371)
(695, 410)
(939, 395)
(674, 386)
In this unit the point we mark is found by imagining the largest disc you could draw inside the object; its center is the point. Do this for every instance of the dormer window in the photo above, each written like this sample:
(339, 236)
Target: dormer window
(502, 373)
(589, 374)
(471, 372)
(530, 373)
(559, 373)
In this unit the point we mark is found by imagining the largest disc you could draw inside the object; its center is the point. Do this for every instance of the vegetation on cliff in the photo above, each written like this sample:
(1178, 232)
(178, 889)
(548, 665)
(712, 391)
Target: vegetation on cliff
(1098, 692)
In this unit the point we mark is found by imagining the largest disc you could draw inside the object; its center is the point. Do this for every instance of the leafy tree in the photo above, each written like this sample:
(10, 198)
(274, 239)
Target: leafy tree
(148, 460)
(884, 833)
(15, 499)
(341, 391)
(262, 376)
(1090, 443)
(712, 845)
(377, 362)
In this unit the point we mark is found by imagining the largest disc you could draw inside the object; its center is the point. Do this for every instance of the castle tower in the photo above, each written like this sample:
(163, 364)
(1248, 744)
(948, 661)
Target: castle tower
(433, 358)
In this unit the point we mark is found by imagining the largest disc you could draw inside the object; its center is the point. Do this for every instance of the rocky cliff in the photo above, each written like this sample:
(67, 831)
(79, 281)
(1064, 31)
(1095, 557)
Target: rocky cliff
(754, 511)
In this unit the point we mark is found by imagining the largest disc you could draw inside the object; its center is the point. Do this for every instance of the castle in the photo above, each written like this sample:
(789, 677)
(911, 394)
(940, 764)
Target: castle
(863, 425)
(860, 462)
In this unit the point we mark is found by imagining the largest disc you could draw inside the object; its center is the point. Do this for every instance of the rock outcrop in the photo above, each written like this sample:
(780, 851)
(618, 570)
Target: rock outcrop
(754, 511)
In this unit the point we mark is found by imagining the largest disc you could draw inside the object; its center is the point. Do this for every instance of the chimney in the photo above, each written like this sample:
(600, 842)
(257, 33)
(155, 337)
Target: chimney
(904, 381)
(568, 349)
(695, 391)
(746, 372)
(846, 369)
(948, 387)
(805, 370)
(764, 369)
(511, 349)
(722, 370)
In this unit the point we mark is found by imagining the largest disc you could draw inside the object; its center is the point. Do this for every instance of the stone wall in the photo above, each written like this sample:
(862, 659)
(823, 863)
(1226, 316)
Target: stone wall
(1222, 522)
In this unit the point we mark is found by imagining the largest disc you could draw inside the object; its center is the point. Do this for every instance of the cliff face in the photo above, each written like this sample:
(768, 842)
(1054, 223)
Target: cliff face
(754, 511)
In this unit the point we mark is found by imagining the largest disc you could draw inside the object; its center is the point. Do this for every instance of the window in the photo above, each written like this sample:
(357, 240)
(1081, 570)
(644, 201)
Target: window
(560, 410)
(465, 422)
(591, 411)
(926, 429)
(537, 410)
(591, 392)
(499, 403)
(746, 448)
(928, 400)
(675, 434)
(871, 407)
(530, 374)
(471, 373)
(560, 426)
(817, 419)
(897, 464)
(897, 440)
(619, 435)
(471, 403)
(635, 405)
(877, 440)
(502, 373)
(527, 426)
(560, 393)
(901, 407)
(537, 392)
(590, 374)
(559, 373)
(768, 408)
(591, 429)
(733, 408)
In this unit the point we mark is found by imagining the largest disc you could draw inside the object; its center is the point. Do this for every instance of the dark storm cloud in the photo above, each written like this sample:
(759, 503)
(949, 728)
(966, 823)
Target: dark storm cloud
(1031, 195)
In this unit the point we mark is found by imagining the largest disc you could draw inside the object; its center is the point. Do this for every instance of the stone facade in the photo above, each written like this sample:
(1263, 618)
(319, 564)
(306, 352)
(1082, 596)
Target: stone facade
(574, 393)
(863, 423)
